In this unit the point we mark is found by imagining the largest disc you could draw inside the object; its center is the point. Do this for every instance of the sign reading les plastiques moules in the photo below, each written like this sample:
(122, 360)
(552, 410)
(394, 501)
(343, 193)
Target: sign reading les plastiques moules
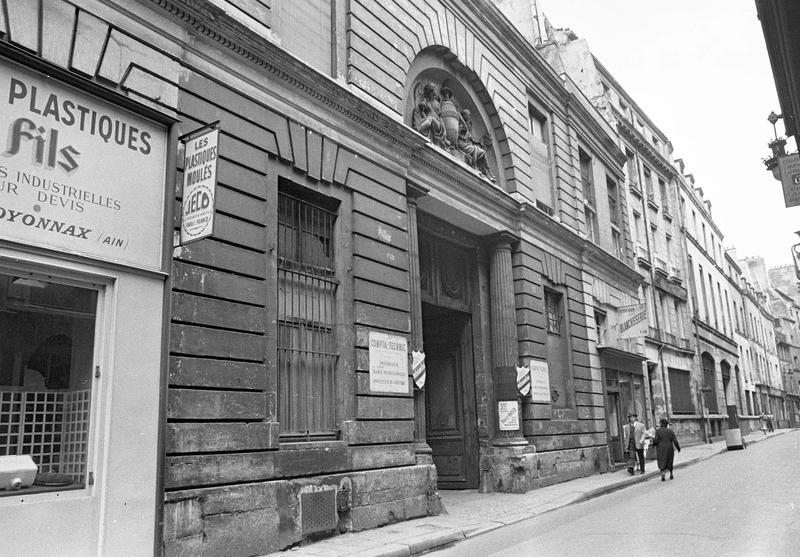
(388, 363)
(790, 179)
(199, 184)
(79, 174)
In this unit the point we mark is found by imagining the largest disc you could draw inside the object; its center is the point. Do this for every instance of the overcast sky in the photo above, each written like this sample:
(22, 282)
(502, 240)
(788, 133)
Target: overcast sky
(699, 69)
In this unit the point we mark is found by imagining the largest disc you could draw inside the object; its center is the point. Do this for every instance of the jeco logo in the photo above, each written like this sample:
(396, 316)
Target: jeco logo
(198, 201)
(46, 150)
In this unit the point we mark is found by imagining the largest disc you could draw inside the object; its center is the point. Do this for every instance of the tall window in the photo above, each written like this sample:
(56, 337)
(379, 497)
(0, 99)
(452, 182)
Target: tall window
(662, 191)
(680, 392)
(587, 184)
(648, 182)
(552, 302)
(540, 159)
(307, 285)
(709, 381)
(614, 216)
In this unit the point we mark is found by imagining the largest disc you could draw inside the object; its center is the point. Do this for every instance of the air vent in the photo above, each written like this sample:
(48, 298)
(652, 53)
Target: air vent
(318, 510)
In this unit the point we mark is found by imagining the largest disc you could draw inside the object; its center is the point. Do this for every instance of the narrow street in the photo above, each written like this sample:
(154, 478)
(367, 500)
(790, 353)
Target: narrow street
(740, 503)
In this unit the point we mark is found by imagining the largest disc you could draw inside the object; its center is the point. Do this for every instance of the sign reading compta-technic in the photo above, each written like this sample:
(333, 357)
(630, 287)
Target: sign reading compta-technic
(78, 174)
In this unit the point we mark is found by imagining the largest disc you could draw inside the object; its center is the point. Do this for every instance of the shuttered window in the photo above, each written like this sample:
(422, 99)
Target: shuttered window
(307, 351)
(680, 391)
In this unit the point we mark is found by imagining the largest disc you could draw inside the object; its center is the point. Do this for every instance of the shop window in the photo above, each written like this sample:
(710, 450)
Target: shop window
(47, 332)
(307, 348)
(680, 391)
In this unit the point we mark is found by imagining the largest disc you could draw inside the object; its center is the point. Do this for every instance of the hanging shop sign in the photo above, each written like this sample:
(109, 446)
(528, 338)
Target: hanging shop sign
(508, 415)
(199, 183)
(388, 363)
(540, 381)
(796, 259)
(790, 179)
(79, 174)
(631, 321)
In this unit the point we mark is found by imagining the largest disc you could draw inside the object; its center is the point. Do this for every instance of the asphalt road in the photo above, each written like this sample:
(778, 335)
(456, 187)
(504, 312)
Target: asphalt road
(738, 503)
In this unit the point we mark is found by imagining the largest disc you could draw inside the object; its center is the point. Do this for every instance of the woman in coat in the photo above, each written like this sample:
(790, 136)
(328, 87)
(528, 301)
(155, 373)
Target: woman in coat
(664, 441)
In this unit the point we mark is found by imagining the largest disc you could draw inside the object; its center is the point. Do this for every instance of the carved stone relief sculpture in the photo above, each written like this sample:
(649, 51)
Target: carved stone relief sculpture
(436, 116)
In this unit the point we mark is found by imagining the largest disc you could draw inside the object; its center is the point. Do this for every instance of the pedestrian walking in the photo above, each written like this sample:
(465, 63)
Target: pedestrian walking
(666, 443)
(762, 419)
(633, 438)
(769, 423)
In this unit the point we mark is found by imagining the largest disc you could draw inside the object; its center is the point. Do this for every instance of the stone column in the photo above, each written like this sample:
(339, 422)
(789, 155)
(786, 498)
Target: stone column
(505, 350)
(421, 447)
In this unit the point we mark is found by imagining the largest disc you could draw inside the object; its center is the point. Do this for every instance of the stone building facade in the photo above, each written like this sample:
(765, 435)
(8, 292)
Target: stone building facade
(393, 179)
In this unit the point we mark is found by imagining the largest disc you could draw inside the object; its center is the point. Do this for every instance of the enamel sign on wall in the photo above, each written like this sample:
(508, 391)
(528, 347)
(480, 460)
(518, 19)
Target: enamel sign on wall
(78, 174)
(388, 363)
(199, 185)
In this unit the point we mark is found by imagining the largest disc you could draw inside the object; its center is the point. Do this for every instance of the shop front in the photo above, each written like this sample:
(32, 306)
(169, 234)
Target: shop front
(625, 394)
(82, 293)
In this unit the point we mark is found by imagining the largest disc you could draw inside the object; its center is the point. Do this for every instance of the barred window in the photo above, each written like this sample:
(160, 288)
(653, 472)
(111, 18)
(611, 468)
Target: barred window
(552, 302)
(307, 352)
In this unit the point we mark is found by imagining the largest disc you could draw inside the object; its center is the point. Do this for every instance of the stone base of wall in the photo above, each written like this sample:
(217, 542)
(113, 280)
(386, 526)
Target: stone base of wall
(521, 469)
(259, 518)
(560, 466)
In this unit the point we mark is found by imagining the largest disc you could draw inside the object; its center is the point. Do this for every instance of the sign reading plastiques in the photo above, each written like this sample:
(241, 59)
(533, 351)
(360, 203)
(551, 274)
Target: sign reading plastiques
(199, 185)
(78, 174)
(388, 363)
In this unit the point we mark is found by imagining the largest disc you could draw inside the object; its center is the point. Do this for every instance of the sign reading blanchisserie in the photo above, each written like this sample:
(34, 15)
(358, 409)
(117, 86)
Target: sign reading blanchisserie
(790, 179)
(78, 174)
(199, 184)
(388, 363)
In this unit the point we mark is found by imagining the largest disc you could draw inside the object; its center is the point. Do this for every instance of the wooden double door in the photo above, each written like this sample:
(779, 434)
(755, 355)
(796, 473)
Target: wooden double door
(450, 413)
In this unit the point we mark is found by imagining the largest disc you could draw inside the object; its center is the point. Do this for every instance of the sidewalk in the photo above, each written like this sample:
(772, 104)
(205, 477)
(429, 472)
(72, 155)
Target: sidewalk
(469, 513)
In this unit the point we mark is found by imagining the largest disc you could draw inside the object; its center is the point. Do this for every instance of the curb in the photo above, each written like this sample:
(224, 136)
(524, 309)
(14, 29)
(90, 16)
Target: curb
(424, 543)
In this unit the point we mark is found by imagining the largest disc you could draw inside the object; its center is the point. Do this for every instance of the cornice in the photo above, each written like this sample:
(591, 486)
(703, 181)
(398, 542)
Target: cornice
(216, 25)
(502, 36)
(586, 119)
(642, 146)
(613, 270)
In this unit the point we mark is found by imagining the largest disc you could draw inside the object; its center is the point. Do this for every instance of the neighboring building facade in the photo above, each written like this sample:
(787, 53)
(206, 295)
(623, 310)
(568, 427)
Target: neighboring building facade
(711, 294)
(769, 381)
(393, 179)
(651, 186)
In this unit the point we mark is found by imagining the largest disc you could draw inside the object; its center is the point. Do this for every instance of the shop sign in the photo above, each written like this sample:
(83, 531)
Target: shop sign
(631, 321)
(540, 381)
(79, 174)
(790, 179)
(388, 363)
(508, 415)
(796, 259)
(199, 184)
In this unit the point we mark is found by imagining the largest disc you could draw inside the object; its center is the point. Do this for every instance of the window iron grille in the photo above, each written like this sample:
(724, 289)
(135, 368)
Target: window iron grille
(307, 351)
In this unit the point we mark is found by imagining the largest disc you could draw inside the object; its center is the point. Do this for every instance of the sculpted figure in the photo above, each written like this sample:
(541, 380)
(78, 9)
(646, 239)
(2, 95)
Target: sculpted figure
(473, 151)
(426, 117)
